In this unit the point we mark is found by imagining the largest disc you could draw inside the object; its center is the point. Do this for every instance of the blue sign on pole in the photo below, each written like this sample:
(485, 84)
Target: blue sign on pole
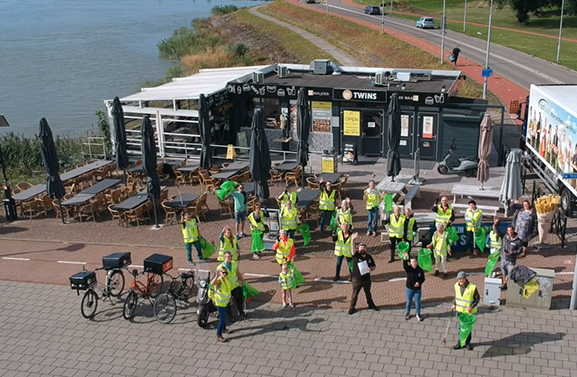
(487, 72)
(569, 175)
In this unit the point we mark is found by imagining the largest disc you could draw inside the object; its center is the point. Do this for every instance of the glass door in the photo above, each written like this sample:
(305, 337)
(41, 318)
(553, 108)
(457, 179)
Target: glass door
(428, 135)
(371, 132)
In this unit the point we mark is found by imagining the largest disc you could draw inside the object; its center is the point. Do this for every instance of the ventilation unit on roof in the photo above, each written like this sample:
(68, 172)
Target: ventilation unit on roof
(380, 78)
(322, 67)
(283, 71)
(258, 77)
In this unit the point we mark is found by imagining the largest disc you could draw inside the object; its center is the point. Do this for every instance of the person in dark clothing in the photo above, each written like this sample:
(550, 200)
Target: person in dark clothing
(363, 264)
(512, 247)
(411, 228)
(456, 52)
(415, 280)
(466, 300)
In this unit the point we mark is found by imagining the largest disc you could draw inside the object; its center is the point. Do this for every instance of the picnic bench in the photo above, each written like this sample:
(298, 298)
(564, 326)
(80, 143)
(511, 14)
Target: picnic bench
(485, 199)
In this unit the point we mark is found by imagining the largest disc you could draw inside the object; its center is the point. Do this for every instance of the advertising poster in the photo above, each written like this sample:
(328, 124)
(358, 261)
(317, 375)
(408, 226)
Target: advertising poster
(428, 127)
(351, 123)
(322, 115)
(552, 135)
(404, 125)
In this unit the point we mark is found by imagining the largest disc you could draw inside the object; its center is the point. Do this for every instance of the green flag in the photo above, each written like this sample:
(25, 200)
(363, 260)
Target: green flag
(257, 243)
(491, 262)
(480, 240)
(424, 259)
(466, 322)
(207, 248)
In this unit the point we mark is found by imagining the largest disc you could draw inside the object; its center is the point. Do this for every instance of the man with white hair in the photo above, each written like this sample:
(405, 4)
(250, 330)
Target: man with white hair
(441, 247)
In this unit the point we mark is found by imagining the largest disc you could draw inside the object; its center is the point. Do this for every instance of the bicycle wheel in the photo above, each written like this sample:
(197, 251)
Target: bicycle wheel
(155, 285)
(130, 305)
(165, 308)
(89, 304)
(186, 287)
(115, 284)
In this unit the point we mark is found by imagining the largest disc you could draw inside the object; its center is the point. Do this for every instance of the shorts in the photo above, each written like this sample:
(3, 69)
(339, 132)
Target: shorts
(505, 266)
(240, 217)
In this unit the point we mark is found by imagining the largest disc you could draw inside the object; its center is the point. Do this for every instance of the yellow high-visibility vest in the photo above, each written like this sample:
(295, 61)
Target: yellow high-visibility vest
(221, 294)
(231, 276)
(292, 196)
(473, 219)
(372, 198)
(286, 280)
(326, 201)
(443, 217)
(190, 231)
(410, 233)
(496, 242)
(345, 216)
(440, 243)
(289, 218)
(396, 226)
(463, 302)
(284, 250)
(343, 248)
(227, 245)
(254, 225)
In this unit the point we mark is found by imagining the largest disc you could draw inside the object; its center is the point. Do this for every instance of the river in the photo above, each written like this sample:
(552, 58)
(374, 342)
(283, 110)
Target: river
(60, 59)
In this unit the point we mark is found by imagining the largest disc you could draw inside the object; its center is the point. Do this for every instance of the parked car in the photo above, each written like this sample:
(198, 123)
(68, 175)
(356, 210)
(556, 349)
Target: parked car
(373, 9)
(311, 1)
(426, 23)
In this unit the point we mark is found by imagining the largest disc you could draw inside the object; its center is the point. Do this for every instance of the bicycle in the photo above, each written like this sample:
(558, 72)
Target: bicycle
(86, 280)
(165, 305)
(151, 289)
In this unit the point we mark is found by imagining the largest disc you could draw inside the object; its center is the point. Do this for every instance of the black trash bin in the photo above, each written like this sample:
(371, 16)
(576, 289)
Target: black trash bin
(10, 209)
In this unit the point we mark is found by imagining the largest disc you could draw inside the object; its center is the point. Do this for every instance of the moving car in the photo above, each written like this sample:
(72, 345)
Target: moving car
(373, 9)
(426, 23)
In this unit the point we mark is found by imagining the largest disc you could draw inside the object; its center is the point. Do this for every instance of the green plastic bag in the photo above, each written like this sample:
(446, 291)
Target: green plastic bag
(491, 262)
(208, 249)
(333, 225)
(226, 189)
(257, 242)
(388, 200)
(424, 259)
(298, 278)
(305, 230)
(452, 235)
(248, 291)
(480, 238)
(466, 322)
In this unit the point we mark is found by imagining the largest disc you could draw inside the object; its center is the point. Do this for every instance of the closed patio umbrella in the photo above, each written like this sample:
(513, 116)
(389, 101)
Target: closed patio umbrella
(148, 147)
(260, 162)
(303, 130)
(511, 187)
(393, 137)
(485, 147)
(120, 136)
(204, 129)
(54, 185)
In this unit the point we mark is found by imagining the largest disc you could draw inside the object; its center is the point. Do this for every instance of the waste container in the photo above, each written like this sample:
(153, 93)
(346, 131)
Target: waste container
(10, 210)
(492, 292)
(329, 161)
(540, 298)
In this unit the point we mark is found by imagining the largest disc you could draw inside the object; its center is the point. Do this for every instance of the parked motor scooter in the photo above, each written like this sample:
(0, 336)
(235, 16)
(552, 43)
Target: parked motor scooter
(467, 166)
(205, 304)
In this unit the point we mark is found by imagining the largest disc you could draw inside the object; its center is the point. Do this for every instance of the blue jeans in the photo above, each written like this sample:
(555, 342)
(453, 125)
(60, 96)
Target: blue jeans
(373, 219)
(416, 293)
(340, 264)
(222, 316)
(325, 215)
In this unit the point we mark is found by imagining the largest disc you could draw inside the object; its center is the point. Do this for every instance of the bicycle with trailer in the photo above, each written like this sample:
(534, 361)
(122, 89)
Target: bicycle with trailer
(165, 305)
(154, 268)
(85, 280)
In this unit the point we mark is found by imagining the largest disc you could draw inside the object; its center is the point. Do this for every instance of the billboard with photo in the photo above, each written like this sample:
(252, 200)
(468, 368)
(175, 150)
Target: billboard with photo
(552, 134)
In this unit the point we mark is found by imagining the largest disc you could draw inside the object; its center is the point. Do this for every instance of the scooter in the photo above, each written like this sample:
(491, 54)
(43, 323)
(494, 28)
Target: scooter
(205, 304)
(467, 165)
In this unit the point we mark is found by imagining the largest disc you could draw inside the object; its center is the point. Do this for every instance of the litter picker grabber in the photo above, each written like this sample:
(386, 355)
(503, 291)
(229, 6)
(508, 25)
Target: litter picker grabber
(447, 329)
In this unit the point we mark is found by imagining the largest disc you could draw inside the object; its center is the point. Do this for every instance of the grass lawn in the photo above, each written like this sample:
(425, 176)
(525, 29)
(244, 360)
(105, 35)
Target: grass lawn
(478, 12)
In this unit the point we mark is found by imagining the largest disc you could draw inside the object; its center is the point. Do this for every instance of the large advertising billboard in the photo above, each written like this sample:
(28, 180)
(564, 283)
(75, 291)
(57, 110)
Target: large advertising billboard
(552, 135)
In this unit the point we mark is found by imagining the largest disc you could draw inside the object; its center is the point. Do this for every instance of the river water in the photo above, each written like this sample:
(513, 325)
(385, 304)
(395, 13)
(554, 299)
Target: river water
(60, 59)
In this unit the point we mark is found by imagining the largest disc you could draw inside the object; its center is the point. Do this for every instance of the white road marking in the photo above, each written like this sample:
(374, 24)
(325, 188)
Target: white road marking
(398, 279)
(14, 258)
(70, 262)
(261, 275)
(331, 281)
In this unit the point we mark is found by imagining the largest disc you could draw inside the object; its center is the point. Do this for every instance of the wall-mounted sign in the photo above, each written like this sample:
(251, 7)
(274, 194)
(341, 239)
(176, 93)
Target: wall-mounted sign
(351, 123)
(359, 95)
(428, 128)
(322, 115)
(404, 125)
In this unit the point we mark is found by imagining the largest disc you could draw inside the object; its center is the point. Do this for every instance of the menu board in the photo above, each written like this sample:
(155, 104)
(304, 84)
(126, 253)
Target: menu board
(322, 115)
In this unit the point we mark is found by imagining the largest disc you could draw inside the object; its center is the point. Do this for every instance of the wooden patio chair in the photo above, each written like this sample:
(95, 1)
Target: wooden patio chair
(113, 197)
(47, 203)
(180, 177)
(293, 176)
(226, 207)
(312, 183)
(170, 213)
(194, 177)
(24, 185)
(224, 165)
(276, 176)
(135, 215)
(208, 183)
(100, 174)
(160, 172)
(193, 211)
(116, 215)
(311, 212)
(163, 196)
(89, 211)
(33, 208)
(214, 169)
(56, 207)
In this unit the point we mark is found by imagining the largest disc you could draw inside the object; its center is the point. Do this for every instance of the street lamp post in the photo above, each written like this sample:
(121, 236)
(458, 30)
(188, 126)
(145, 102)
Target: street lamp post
(488, 50)
(327, 4)
(9, 204)
(383, 17)
(560, 31)
(443, 25)
(465, 18)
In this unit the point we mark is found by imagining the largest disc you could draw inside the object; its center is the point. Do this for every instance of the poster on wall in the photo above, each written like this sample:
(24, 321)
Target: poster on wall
(428, 127)
(321, 114)
(293, 115)
(351, 123)
(404, 126)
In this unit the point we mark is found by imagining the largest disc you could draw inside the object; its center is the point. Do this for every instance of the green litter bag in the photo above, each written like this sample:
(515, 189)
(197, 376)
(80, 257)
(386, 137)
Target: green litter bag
(466, 322)
(225, 189)
(388, 200)
(298, 278)
(403, 247)
(305, 230)
(333, 225)
(248, 291)
(424, 259)
(491, 262)
(207, 248)
(480, 238)
(257, 242)
(452, 233)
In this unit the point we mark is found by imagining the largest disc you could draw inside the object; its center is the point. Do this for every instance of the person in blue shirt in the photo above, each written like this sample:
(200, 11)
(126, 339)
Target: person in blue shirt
(239, 211)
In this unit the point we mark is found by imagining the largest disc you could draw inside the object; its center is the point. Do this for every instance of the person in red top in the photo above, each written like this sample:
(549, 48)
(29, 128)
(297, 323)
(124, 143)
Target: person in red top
(284, 247)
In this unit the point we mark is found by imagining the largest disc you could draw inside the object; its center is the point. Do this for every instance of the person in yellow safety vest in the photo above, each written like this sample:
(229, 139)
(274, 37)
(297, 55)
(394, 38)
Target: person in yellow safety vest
(289, 218)
(326, 203)
(344, 214)
(344, 246)
(445, 213)
(235, 279)
(221, 294)
(440, 246)
(228, 242)
(473, 218)
(466, 300)
(410, 229)
(285, 248)
(287, 195)
(373, 197)
(191, 237)
(257, 227)
(396, 230)
(495, 242)
(286, 280)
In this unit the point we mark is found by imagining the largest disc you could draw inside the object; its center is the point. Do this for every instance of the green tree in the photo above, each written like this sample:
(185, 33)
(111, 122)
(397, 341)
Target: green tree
(104, 128)
(522, 8)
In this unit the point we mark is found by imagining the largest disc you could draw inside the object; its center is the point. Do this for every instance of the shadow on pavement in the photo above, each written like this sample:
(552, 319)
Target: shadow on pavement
(11, 229)
(518, 344)
(296, 323)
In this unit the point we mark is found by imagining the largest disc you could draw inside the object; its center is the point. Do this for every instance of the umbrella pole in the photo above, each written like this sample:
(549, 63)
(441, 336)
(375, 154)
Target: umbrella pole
(61, 212)
(124, 172)
(303, 178)
(155, 217)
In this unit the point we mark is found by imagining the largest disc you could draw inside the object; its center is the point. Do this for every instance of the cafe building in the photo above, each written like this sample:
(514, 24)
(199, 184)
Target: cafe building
(348, 108)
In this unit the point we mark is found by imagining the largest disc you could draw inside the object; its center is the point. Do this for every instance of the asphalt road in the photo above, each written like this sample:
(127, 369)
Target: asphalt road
(518, 67)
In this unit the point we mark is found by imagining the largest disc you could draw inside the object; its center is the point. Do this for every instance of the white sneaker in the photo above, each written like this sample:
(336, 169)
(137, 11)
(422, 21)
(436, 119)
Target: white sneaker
(284, 305)
(419, 319)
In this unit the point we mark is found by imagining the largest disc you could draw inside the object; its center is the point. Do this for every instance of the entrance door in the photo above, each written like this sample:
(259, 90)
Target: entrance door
(371, 132)
(407, 145)
(428, 135)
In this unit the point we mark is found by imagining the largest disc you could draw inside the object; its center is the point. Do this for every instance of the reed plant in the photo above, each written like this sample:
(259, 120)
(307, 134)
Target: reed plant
(223, 9)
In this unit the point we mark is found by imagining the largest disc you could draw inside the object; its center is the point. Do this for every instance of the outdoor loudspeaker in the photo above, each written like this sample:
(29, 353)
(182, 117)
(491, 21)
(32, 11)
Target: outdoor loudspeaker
(258, 77)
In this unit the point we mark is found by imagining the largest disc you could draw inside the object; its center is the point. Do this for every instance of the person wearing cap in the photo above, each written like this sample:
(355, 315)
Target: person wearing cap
(287, 195)
(473, 218)
(445, 212)
(441, 247)
(327, 201)
(344, 214)
(361, 278)
(466, 300)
